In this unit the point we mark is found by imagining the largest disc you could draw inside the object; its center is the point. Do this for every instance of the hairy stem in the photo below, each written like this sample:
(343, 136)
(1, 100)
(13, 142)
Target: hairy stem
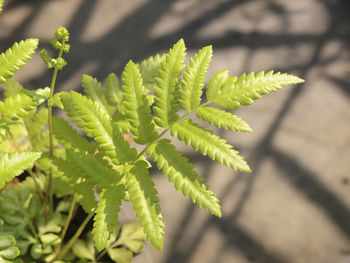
(73, 239)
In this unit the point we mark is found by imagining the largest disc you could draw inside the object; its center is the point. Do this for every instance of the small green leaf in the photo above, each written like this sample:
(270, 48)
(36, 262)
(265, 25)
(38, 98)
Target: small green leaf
(120, 255)
(12, 88)
(83, 249)
(132, 236)
(12, 165)
(222, 119)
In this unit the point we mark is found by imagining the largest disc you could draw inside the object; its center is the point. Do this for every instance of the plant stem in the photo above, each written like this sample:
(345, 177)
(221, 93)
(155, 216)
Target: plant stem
(69, 218)
(73, 239)
(49, 121)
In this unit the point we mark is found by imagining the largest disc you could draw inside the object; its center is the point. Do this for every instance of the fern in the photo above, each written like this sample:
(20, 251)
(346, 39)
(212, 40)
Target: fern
(95, 172)
(12, 88)
(185, 178)
(136, 104)
(207, 143)
(94, 90)
(68, 136)
(193, 80)
(13, 108)
(222, 119)
(15, 57)
(113, 92)
(166, 92)
(144, 197)
(246, 88)
(96, 123)
(149, 69)
(106, 216)
(12, 165)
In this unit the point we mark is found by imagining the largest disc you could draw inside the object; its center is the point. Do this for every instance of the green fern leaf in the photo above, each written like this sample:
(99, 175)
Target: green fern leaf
(215, 84)
(96, 123)
(14, 108)
(149, 69)
(208, 143)
(185, 178)
(12, 165)
(12, 88)
(15, 57)
(35, 123)
(246, 88)
(95, 172)
(70, 110)
(61, 167)
(136, 105)
(68, 136)
(122, 122)
(193, 79)
(94, 90)
(106, 217)
(144, 197)
(166, 98)
(113, 90)
(222, 119)
(85, 196)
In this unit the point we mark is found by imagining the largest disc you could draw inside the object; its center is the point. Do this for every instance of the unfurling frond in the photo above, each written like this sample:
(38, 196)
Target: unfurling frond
(167, 89)
(15, 57)
(208, 143)
(246, 88)
(222, 119)
(136, 105)
(106, 217)
(180, 172)
(149, 69)
(94, 90)
(146, 203)
(90, 168)
(193, 79)
(68, 136)
(13, 164)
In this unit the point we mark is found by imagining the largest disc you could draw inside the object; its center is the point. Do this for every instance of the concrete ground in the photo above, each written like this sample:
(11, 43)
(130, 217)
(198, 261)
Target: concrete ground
(295, 206)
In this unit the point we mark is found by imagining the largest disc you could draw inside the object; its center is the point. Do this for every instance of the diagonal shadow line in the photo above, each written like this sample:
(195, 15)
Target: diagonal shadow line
(307, 183)
(342, 84)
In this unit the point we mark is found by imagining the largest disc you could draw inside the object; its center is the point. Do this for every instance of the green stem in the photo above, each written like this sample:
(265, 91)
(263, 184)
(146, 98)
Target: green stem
(49, 121)
(73, 239)
(69, 218)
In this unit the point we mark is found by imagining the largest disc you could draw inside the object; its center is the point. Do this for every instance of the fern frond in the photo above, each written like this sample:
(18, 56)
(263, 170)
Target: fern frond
(94, 90)
(149, 69)
(180, 172)
(96, 123)
(95, 173)
(144, 197)
(222, 119)
(68, 136)
(208, 143)
(215, 84)
(113, 90)
(13, 108)
(246, 88)
(12, 88)
(15, 57)
(12, 165)
(167, 89)
(193, 79)
(122, 122)
(85, 196)
(136, 105)
(36, 123)
(106, 217)
(68, 107)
